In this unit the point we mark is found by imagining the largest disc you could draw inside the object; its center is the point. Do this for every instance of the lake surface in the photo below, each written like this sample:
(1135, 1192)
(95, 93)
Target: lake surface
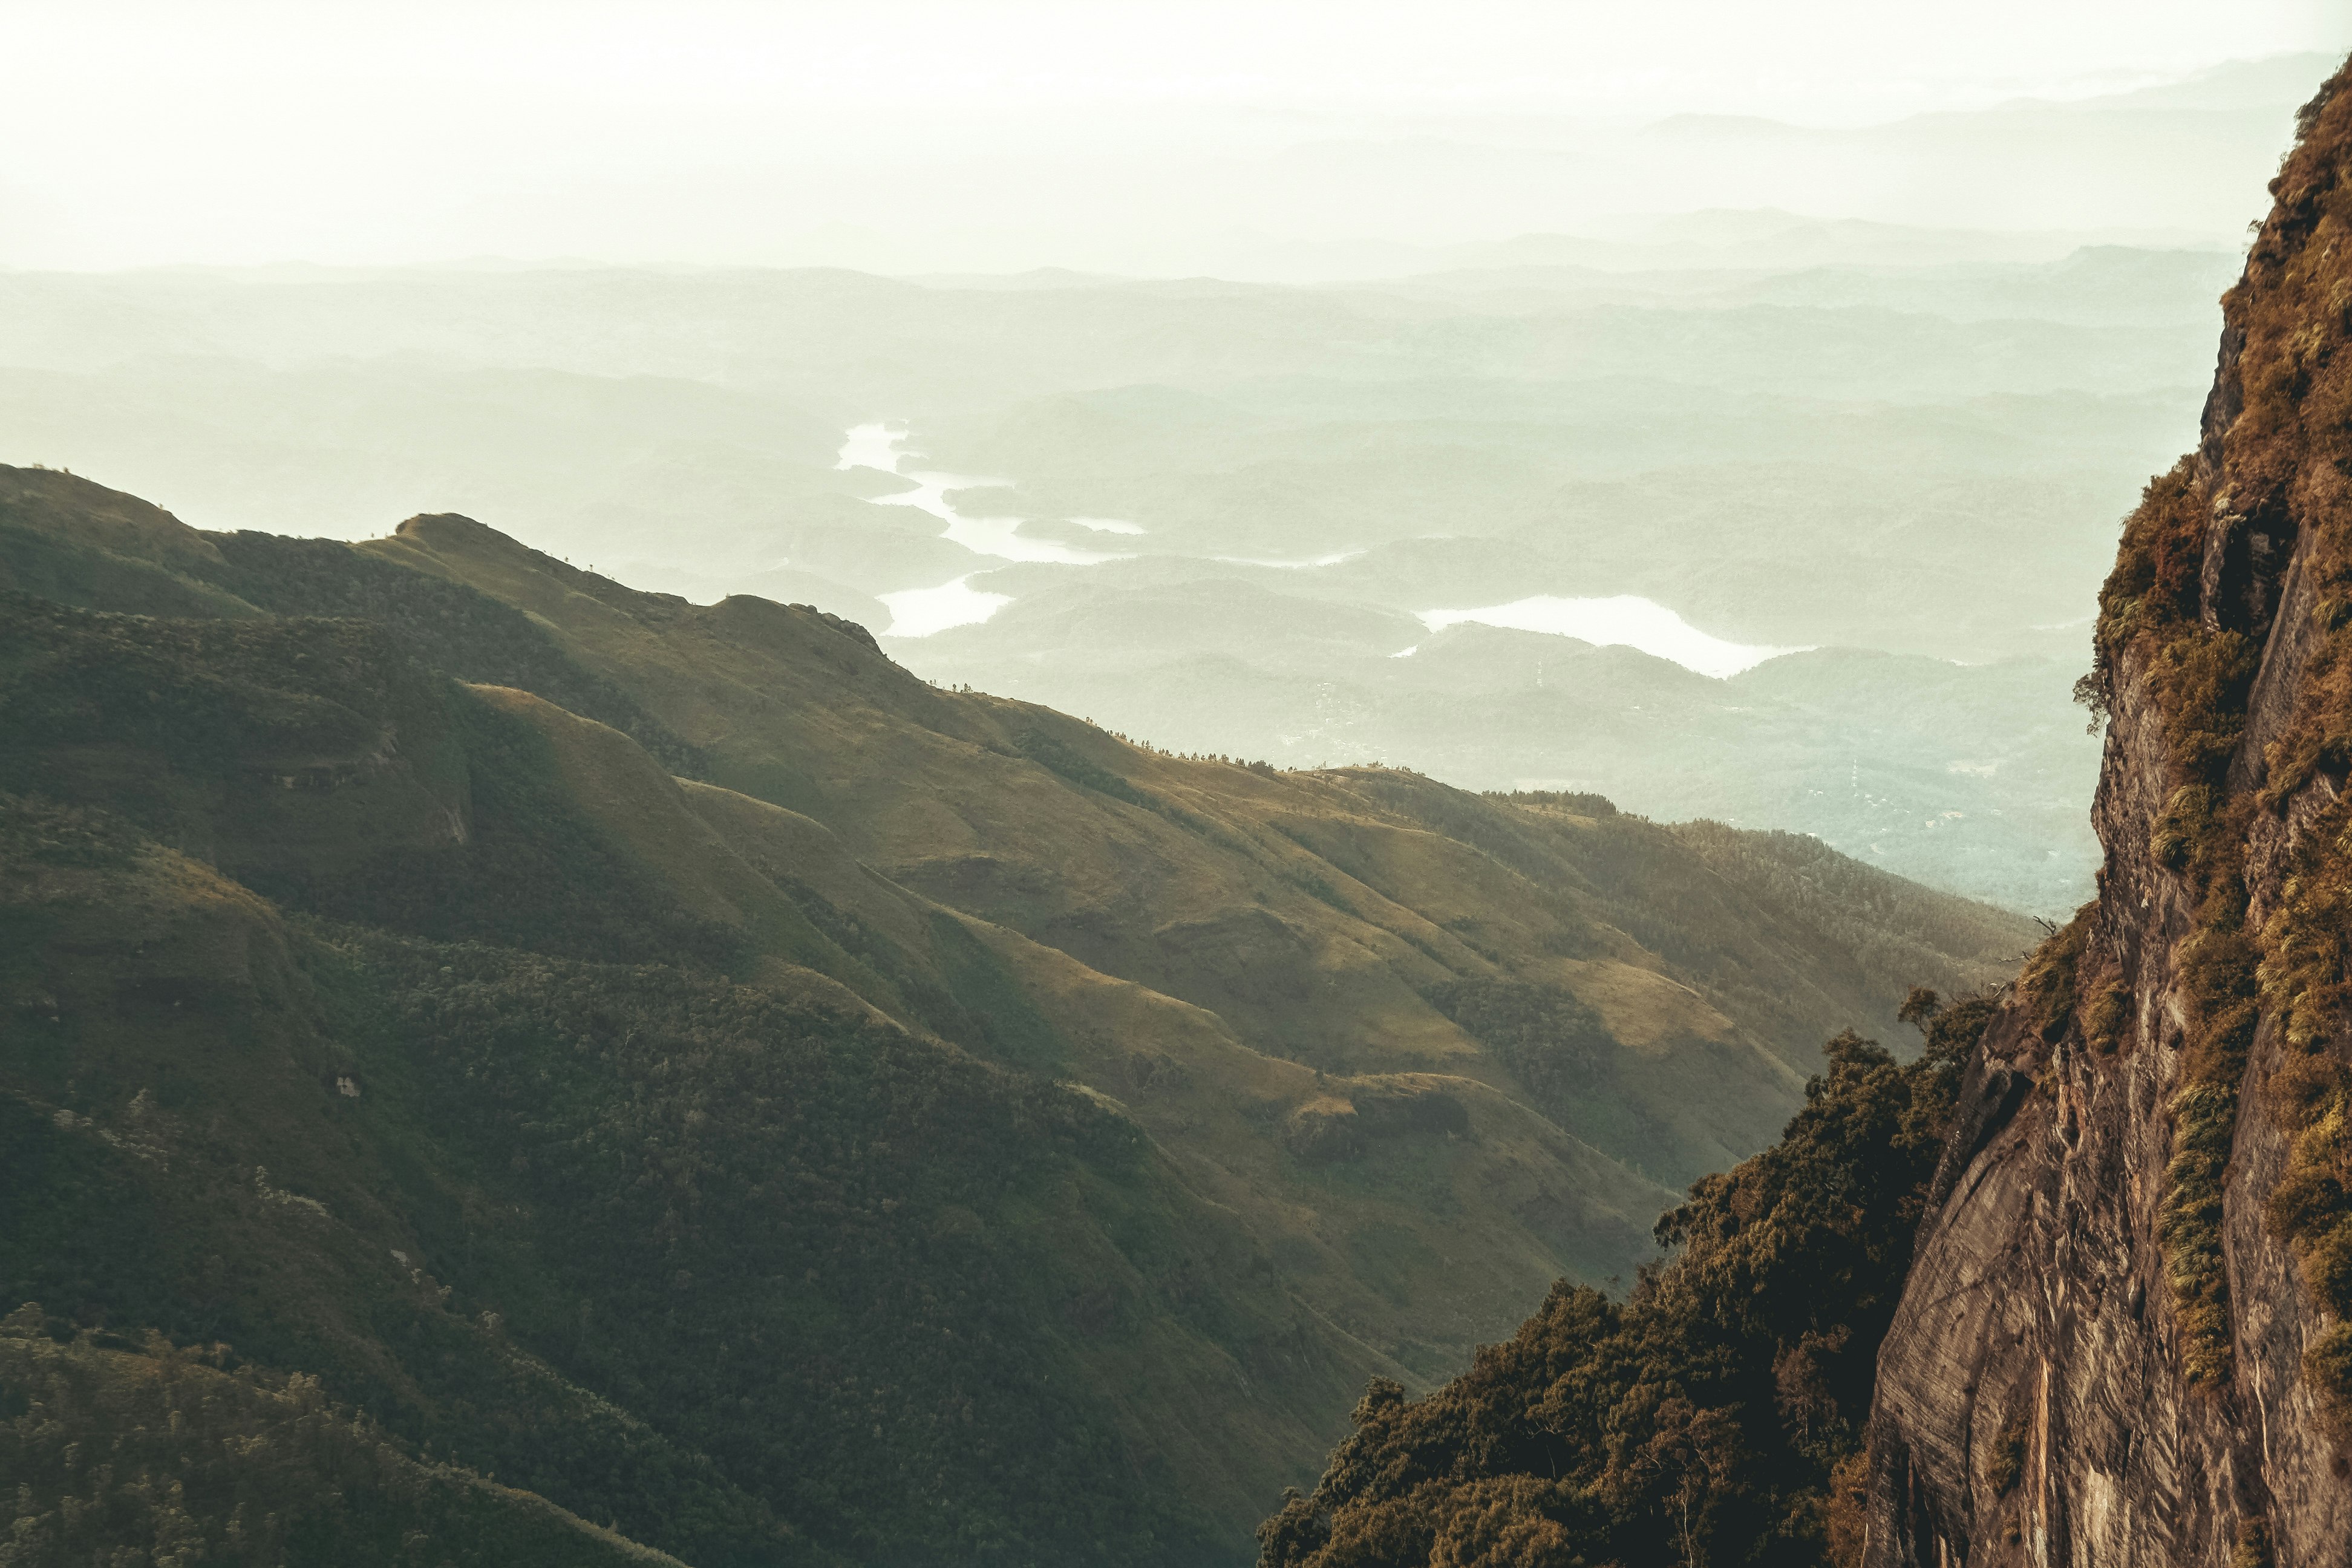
(1334, 559)
(1624, 620)
(919, 612)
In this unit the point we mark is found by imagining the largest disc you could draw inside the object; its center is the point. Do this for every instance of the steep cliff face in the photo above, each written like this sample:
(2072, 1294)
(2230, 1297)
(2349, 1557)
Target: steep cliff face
(2123, 1338)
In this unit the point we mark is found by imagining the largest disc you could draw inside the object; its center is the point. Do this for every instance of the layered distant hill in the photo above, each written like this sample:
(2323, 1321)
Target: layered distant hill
(578, 1070)
(1236, 501)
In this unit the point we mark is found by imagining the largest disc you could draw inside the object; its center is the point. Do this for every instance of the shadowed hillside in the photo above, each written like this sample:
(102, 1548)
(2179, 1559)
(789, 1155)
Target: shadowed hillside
(674, 1061)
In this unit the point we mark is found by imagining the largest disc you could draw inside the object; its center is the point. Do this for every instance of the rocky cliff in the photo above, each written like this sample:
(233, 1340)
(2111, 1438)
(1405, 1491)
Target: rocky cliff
(2123, 1340)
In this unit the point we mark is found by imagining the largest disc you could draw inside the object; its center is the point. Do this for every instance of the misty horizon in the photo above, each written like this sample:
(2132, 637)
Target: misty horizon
(1320, 411)
(1298, 143)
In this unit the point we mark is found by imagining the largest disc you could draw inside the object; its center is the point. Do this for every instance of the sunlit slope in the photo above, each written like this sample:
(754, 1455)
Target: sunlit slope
(1239, 891)
(1407, 1247)
(1064, 832)
(179, 1158)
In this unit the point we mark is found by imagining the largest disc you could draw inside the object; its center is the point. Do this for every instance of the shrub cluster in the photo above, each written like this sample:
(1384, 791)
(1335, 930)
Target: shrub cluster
(1715, 1416)
(156, 1454)
(795, 1240)
(1558, 1049)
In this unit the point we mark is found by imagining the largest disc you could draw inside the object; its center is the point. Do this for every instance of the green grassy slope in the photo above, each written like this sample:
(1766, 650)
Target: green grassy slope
(1157, 869)
(937, 1132)
(726, 1258)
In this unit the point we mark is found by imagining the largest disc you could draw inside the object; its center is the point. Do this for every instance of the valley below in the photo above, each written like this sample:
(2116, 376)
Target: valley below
(1587, 902)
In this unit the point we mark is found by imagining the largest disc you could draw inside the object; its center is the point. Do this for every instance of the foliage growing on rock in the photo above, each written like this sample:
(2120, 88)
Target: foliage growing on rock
(1713, 1415)
(2203, 581)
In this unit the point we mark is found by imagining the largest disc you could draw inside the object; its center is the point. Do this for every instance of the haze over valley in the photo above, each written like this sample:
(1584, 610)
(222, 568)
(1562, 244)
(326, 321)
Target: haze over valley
(1750, 523)
(1513, 785)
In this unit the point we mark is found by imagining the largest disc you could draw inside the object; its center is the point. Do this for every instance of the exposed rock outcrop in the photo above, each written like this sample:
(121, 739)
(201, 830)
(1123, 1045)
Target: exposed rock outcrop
(2121, 1340)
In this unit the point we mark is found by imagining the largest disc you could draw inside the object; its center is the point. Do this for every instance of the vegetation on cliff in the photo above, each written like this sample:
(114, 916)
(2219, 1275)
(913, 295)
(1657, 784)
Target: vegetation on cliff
(1715, 1416)
(2196, 674)
(2290, 450)
(2245, 543)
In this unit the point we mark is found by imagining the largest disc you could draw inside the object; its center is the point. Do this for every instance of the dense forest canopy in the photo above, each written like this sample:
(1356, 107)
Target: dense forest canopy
(1716, 1414)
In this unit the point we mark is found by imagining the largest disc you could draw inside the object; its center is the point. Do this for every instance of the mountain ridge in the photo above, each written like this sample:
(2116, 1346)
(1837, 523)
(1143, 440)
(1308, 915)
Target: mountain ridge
(1339, 1068)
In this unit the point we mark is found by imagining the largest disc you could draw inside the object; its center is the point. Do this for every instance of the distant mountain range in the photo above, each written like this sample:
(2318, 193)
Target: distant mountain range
(1920, 459)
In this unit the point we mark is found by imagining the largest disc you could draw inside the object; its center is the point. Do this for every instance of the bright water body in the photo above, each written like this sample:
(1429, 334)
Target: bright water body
(1334, 559)
(919, 612)
(1625, 620)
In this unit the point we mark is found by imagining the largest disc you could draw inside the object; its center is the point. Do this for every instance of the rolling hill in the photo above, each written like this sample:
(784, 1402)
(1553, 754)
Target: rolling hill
(669, 1061)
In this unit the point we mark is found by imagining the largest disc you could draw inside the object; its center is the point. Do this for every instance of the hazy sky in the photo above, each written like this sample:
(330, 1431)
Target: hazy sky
(709, 131)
